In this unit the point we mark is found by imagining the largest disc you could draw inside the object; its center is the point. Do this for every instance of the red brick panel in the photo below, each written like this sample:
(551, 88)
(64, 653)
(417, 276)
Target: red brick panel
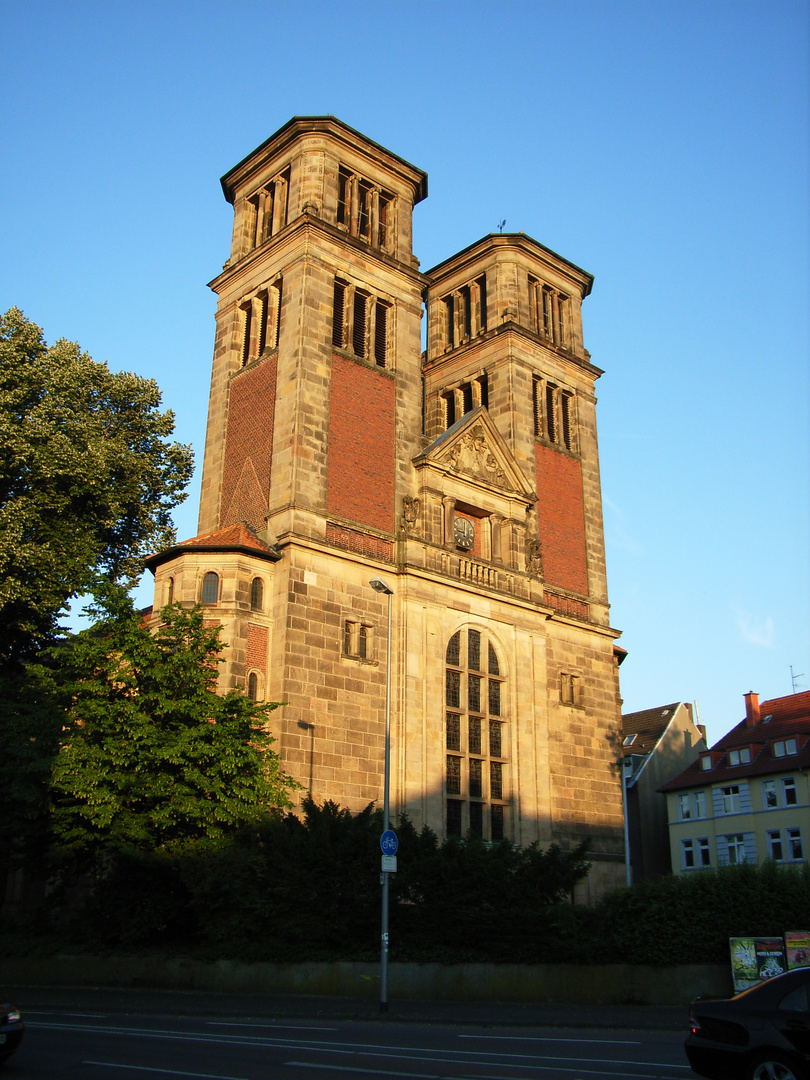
(561, 516)
(361, 542)
(249, 442)
(256, 657)
(360, 479)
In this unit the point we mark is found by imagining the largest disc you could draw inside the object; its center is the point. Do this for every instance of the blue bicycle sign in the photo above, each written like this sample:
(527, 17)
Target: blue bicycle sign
(389, 842)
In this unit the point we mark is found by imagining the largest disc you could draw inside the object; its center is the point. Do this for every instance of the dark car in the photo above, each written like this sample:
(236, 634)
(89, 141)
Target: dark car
(761, 1034)
(11, 1030)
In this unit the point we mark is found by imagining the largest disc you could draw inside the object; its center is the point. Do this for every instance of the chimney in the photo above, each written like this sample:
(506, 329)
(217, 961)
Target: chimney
(751, 709)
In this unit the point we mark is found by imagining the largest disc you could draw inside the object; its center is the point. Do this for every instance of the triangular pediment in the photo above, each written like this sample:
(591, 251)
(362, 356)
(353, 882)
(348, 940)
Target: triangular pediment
(474, 448)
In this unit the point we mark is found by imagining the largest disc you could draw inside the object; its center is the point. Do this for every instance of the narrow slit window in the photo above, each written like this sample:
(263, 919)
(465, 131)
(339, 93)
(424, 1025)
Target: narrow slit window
(359, 327)
(338, 314)
(256, 594)
(380, 333)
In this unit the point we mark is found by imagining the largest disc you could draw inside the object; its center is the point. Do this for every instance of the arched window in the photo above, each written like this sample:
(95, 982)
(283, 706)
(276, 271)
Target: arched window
(253, 686)
(475, 737)
(210, 588)
(170, 591)
(256, 594)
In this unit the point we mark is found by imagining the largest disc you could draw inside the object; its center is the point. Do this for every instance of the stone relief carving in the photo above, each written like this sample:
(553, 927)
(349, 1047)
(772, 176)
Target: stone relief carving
(471, 454)
(534, 558)
(410, 513)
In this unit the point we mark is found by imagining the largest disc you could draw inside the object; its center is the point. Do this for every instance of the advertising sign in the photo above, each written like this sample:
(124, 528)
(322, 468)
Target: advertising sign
(754, 959)
(797, 947)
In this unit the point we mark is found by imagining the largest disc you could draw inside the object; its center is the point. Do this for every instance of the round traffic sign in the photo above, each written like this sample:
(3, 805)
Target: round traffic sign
(389, 842)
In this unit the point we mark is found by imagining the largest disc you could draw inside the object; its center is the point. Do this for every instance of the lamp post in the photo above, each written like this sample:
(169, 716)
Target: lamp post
(380, 586)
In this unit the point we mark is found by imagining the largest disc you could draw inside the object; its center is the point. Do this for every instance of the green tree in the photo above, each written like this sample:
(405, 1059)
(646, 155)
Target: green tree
(150, 756)
(88, 478)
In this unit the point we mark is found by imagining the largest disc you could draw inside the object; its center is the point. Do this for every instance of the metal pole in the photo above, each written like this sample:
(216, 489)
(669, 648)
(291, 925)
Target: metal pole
(380, 586)
(386, 788)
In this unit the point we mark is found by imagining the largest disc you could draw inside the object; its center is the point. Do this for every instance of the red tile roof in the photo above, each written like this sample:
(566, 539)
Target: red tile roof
(238, 537)
(780, 718)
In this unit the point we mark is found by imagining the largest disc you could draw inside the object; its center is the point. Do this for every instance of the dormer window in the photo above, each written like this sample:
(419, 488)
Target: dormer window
(739, 757)
(705, 762)
(785, 747)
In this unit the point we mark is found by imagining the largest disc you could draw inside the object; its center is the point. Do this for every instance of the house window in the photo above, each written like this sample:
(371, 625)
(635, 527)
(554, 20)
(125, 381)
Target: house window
(784, 747)
(735, 849)
(688, 854)
(628, 740)
(706, 762)
(554, 414)
(210, 588)
(685, 808)
(794, 844)
(699, 798)
(695, 853)
(788, 791)
(775, 850)
(475, 737)
(790, 849)
(770, 796)
(356, 640)
(256, 594)
(731, 799)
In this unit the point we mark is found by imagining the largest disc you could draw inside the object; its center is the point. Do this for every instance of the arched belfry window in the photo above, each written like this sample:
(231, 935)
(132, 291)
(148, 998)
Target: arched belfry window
(475, 737)
(210, 588)
(256, 594)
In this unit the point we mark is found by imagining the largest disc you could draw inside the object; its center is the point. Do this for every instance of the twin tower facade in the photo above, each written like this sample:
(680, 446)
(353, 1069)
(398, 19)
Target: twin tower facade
(465, 476)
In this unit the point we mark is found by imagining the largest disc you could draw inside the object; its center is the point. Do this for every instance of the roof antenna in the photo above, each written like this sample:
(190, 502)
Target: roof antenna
(794, 677)
(501, 225)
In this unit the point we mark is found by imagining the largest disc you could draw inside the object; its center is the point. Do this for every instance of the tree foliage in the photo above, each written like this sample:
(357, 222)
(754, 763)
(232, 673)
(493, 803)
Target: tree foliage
(150, 756)
(88, 478)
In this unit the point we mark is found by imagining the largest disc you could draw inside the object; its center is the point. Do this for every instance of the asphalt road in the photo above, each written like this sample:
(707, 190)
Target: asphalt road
(123, 1035)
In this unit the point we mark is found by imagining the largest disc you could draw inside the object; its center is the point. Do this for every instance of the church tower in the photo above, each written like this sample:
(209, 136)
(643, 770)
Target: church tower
(466, 477)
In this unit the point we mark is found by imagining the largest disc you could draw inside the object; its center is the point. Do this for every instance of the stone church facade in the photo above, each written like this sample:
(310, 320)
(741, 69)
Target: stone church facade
(466, 477)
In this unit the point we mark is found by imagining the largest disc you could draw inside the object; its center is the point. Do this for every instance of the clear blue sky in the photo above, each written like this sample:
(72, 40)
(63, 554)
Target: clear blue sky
(661, 146)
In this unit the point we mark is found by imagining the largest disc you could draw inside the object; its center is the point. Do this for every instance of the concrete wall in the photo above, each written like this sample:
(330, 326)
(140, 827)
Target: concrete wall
(605, 984)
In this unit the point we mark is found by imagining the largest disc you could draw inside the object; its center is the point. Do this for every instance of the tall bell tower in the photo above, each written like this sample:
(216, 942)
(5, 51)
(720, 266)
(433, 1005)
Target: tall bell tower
(466, 477)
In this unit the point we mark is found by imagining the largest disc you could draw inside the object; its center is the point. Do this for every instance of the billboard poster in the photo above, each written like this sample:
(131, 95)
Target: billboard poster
(797, 947)
(754, 959)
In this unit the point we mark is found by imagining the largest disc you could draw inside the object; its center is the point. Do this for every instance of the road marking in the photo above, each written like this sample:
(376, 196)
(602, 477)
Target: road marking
(162, 1072)
(269, 1027)
(549, 1038)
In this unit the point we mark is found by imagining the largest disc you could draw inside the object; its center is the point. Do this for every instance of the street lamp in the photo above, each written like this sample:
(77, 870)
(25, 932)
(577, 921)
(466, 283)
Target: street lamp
(380, 586)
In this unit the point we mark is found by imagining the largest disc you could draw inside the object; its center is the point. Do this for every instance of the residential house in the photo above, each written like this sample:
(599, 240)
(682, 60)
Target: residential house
(747, 799)
(657, 744)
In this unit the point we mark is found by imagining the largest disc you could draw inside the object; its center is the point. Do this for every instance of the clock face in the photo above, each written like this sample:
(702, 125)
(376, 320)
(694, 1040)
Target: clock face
(463, 533)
